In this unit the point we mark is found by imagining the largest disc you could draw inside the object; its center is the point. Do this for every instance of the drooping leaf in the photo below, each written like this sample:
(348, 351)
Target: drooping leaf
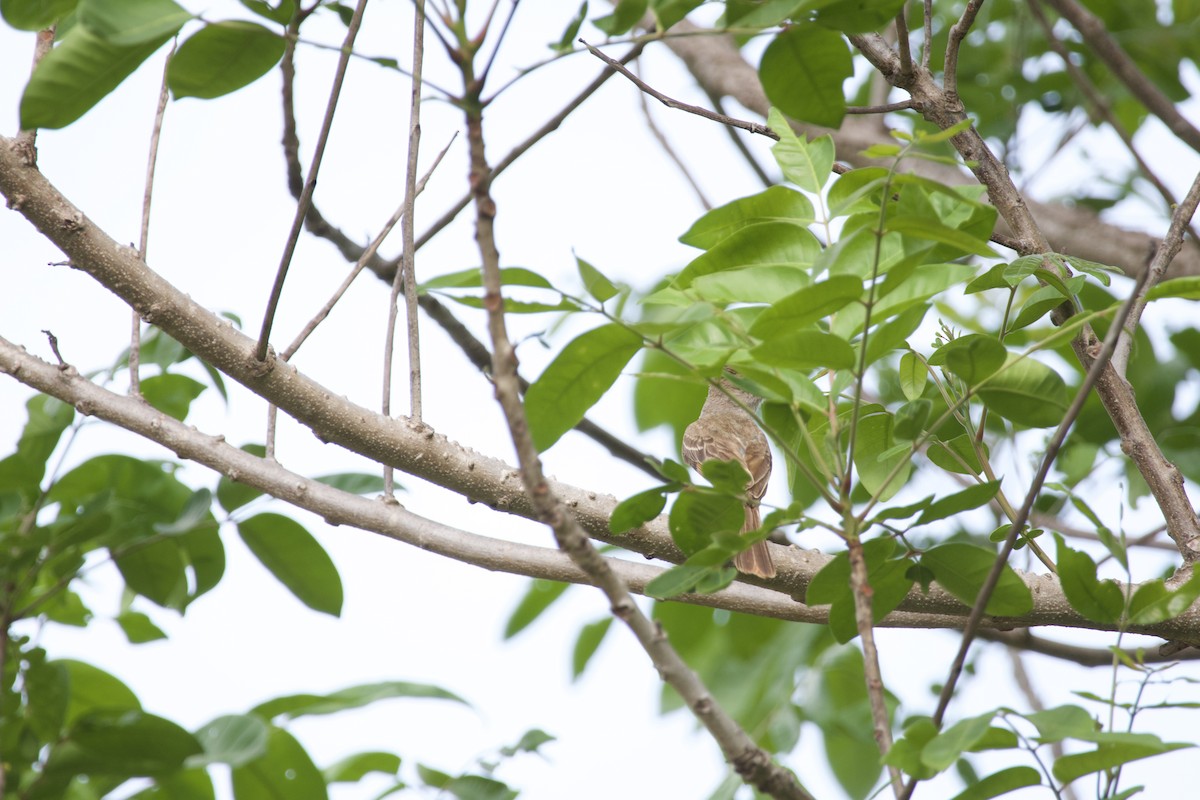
(354, 768)
(76, 75)
(284, 770)
(300, 705)
(132, 22)
(802, 72)
(296, 558)
(776, 204)
(1100, 601)
(961, 568)
(540, 596)
(1027, 392)
(232, 739)
(577, 377)
(222, 57)
(586, 645)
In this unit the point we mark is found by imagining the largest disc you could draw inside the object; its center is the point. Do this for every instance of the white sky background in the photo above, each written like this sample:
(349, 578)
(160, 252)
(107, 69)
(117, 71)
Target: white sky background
(600, 186)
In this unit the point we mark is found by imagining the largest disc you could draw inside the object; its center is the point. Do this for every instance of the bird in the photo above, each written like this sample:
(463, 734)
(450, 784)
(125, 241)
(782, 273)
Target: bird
(725, 431)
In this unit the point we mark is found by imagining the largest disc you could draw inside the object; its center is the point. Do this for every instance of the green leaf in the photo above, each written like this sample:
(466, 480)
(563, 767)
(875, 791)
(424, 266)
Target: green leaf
(171, 394)
(1002, 782)
(1075, 765)
(92, 689)
(675, 581)
(802, 72)
(637, 510)
(931, 230)
(957, 455)
(1063, 722)
(77, 74)
(576, 379)
(973, 358)
(566, 42)
(284, 770)
(35, 15)
(540, 595)
(889, 586)
(302, 705)
(23, 470)
(913, 376)
(761, 244)
(154, 569)
(804, 163)
(353, 482)
(232, 495)
(590, 637)
(296, 559)
(696, 516)
(530, 742)
(805, 350)
(967, 499)
(776, 204)
(858, 16)
(138, 628)
(124, 742)
(1186, 288)
(132, 22)
(352, 769)
(473, 279)
(806, 306)
(281, 12)
(1026, 392)
(961, 568)
(1153, 603)
(1100, 601)
(626, 14)
(949, 745)
(761, 284)
(598, 286)
(222, 57)
(233, 739)
(883, 473)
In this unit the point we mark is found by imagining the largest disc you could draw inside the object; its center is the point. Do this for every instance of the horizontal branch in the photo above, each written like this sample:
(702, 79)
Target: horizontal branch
(417, 449)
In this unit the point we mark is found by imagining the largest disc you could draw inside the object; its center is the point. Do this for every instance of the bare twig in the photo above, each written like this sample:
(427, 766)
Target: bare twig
(903, 45)
(1101, 42)
(26, 140)
(927, 29)
(310, 183)
(958, 32)
(884, 108)
(405, 276)
(135, 334)
(753, 127)
(1098, 365)
(661, 138)
(1102, 108)
(1158, 266)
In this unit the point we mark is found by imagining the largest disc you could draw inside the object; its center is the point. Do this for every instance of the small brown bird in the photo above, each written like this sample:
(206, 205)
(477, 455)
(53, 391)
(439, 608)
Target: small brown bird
(726, 432)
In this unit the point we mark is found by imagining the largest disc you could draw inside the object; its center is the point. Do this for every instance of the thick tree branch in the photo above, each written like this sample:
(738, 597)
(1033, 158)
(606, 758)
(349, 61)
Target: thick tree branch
(418, 450)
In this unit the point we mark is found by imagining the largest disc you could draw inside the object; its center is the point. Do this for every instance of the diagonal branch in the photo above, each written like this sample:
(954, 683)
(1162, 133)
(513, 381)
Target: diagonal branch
(752, 763)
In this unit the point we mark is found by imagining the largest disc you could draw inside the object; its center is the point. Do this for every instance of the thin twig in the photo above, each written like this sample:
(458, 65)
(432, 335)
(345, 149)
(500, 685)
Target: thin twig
(661, 138)
(310, 183)
(958, 32)
(1103, 108)
(26, 140)
(365, 259)
(904, 47)
(1102, 43)
(1098, 365)
(753, 127)
(927, 27)
(135, 334)
(883, 108)
(405, 277)
(736, 138)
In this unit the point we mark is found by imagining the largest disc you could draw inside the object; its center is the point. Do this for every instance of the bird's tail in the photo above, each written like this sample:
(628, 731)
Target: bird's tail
(757, 559)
